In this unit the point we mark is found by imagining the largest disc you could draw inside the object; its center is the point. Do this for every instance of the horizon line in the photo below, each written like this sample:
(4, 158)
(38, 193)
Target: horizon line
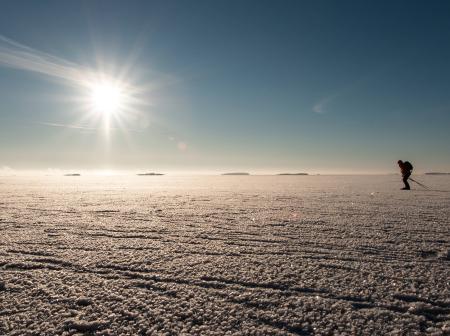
(5, 171)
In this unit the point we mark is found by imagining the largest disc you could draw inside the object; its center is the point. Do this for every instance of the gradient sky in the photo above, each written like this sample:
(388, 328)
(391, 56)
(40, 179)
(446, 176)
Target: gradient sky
(259, 86)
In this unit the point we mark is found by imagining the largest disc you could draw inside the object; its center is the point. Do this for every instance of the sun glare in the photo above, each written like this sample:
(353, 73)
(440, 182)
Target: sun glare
(109, 102)
(106, 97)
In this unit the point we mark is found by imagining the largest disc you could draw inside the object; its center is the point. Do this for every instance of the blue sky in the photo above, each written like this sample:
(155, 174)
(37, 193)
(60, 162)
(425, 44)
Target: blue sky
(261, 86)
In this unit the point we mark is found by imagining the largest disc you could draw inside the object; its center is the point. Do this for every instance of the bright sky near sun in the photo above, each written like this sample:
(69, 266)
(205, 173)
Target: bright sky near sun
(212, 86)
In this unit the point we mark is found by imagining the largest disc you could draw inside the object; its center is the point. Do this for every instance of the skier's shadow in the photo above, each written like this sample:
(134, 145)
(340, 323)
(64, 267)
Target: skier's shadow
(434, 190)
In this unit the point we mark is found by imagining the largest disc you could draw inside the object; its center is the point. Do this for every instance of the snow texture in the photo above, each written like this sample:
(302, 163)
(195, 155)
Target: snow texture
(224, 255)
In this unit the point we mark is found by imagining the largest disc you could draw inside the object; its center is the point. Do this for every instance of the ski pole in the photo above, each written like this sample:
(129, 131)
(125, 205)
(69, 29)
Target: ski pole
(422, 185)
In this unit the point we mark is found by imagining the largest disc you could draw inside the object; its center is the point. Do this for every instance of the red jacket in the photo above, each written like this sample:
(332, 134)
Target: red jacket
(404, 169)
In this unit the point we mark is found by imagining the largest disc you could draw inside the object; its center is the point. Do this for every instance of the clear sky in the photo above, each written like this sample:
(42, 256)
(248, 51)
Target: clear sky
(259, 86)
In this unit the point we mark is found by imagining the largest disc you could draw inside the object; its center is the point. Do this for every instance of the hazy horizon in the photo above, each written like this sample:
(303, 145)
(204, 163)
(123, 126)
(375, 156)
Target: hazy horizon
(8, 171)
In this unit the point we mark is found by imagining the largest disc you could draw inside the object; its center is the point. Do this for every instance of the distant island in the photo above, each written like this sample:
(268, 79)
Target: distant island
(149, 174)
(238, 173)
(293, 174)
(72, 174)
(436, 173)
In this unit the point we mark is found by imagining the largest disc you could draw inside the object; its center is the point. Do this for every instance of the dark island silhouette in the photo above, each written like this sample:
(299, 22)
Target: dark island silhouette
(75, 174)
(437, 173)
(149, 174)
(236, 173)
(282, 174)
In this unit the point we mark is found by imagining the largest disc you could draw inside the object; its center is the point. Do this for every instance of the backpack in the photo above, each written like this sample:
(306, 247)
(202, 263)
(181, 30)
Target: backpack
(408, 165)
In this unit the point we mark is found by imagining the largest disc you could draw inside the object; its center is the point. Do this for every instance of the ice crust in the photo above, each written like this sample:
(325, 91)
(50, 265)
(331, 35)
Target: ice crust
(224, 255)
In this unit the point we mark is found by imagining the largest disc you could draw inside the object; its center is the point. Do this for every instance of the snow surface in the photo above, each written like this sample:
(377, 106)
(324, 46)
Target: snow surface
(224, 255)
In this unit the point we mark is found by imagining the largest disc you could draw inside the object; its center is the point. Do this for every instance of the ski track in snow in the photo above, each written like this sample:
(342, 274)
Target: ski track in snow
(225, 255)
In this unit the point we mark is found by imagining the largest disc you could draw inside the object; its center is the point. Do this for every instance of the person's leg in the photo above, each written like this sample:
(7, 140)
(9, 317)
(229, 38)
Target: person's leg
(405, 181)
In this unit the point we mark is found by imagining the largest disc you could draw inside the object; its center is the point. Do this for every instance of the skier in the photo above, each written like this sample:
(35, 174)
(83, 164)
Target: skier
(406, 170)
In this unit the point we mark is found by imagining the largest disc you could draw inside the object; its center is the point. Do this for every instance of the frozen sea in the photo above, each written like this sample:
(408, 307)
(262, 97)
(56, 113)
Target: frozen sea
(224, 255)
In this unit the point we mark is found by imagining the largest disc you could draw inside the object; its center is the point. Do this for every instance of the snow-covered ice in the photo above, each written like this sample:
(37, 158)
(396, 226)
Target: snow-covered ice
(224, 255)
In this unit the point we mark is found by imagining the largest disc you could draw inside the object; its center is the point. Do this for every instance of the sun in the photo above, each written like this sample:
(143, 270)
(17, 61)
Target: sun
(106, 97)
(109, 101)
